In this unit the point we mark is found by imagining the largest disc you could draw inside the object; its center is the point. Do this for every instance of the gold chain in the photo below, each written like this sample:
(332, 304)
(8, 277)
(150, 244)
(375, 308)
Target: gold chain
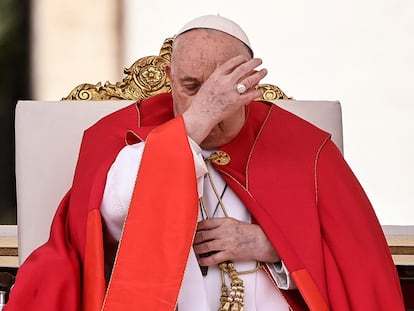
(231, 299)
(213, 186)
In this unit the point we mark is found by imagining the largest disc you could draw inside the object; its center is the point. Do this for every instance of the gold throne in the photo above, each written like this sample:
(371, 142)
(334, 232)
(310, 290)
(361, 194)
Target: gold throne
(145, 78)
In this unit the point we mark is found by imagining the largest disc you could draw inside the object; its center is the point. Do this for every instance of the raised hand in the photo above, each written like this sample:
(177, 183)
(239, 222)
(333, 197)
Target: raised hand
(218, 100)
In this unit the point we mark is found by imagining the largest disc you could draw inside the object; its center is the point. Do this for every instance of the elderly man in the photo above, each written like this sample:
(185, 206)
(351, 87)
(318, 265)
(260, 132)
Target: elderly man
(210, 201)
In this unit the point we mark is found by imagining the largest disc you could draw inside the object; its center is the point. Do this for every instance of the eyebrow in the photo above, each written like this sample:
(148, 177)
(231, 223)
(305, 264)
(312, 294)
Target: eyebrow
(189, 79)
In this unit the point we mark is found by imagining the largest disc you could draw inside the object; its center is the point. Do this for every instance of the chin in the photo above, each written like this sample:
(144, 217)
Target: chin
(214, 141)
(207, 145)
(217, 138)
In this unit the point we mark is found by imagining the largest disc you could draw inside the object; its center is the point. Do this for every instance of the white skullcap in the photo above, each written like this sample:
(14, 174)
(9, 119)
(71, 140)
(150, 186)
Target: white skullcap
(219, 23)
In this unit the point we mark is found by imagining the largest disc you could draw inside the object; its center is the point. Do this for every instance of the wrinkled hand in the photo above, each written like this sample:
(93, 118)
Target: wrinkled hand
(230, 239)
(218, 98)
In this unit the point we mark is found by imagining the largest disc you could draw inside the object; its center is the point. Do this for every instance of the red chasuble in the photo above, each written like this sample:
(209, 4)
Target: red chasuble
(288, 173)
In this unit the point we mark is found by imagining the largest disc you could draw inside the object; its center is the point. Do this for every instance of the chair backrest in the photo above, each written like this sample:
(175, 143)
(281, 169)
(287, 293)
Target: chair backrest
(48, 136)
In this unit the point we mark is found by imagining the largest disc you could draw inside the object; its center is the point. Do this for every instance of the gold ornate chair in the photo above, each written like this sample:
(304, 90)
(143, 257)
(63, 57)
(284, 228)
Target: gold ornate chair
(145, 78)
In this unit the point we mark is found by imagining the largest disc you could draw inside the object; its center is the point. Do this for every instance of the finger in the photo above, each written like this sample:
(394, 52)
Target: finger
(214, 259)
(250, 95)
(210, 223)
(207, 247)
(245, 68)
(252, 80)
(203, 236)
(233, 63)
(207, 230)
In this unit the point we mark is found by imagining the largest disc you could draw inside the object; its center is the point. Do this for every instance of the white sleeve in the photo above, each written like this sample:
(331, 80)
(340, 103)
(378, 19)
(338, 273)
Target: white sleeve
(200, 165)
(281, 276)
(120, 184)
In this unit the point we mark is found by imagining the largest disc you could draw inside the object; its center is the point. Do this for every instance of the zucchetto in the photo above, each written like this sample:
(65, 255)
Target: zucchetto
(219, 23)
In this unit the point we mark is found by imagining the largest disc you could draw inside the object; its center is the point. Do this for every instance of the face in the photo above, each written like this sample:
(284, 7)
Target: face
(196, 54)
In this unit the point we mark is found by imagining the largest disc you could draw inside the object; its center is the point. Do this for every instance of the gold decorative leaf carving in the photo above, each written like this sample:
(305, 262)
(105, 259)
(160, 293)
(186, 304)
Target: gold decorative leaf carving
(272, 92)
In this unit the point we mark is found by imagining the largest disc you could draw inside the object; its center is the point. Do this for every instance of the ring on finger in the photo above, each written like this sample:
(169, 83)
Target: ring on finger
(241, 88)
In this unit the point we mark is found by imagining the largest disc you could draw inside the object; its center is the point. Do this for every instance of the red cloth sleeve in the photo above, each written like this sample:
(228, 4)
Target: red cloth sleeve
(49, 279)
(353, 240)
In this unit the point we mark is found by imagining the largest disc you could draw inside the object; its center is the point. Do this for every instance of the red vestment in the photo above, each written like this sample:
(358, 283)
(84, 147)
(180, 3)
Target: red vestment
(292, 179)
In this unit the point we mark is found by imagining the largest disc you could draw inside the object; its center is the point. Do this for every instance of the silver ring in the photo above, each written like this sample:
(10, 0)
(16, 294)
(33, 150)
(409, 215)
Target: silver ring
(241, 88)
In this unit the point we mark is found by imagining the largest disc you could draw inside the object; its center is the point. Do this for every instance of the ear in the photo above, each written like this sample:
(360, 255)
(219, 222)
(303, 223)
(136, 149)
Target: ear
(168, 71)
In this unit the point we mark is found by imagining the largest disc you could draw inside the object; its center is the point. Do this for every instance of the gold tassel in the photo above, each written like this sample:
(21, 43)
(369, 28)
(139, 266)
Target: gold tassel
(233, 300)
(225, 307)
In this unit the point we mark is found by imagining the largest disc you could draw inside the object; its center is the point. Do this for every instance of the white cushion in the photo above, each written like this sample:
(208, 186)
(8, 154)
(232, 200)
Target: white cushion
(48, 137)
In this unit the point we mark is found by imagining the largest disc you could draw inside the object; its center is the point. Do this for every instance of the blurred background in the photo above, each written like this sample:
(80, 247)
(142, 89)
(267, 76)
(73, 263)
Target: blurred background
(359, 52)
(14, 84)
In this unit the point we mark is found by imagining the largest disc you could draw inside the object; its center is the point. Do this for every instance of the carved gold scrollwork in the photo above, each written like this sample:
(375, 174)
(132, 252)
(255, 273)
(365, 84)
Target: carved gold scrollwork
(272, 92)
(145, 78)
